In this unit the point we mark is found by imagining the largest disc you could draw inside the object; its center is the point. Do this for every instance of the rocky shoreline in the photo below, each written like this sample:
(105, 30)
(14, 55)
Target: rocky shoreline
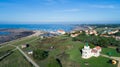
(14, 34)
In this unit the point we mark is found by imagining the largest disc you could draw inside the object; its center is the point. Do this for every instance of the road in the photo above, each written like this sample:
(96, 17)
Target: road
(116, 58)
(8, 53)
(25, 55)
(37, 33)
(28, 58)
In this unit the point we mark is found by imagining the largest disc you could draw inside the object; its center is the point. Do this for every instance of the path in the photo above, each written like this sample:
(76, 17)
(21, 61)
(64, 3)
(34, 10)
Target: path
(25, 55)
(37, 33)
(8, 53)
(116, 58)
(28, 58)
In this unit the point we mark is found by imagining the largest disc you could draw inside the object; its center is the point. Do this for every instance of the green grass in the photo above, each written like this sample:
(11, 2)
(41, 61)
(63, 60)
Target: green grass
(110, 50)
(15, 60)
(71, 48)
(52, 63)
(65, 49)
(5, 49)
(96, 62)
(75, 56)
(23, 41)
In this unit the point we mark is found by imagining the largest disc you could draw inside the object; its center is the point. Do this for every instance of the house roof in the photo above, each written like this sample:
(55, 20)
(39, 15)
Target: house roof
(61, 31)
(94, 51)
(98, 47)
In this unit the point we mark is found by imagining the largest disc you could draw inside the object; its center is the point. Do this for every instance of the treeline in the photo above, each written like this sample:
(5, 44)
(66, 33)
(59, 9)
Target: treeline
(97, 40)
(117, 34)
(105, 25)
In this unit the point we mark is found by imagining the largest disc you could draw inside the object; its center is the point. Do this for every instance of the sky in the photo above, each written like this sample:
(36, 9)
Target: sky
(59, 11)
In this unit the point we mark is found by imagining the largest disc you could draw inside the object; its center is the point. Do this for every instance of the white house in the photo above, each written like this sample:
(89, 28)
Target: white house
(30, 52)
(74, 35)
(23, 46)
(61, 31)
(87, 52)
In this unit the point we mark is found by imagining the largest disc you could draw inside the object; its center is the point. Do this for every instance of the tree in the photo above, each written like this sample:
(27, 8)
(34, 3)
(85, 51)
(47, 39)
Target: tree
(97, 40)
(118, 49)
(40, 54)
(52, 62)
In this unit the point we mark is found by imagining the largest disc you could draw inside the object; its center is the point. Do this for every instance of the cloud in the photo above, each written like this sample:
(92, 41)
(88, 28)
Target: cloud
(103, 6)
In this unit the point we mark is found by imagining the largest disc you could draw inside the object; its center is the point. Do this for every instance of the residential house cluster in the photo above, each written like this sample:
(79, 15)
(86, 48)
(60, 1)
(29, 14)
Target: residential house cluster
(94, 32)
(113, 32)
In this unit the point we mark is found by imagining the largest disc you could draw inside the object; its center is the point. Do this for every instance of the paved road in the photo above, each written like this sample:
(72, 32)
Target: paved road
(25, 55)
(37, 33)
(28, 58)
(116, 58)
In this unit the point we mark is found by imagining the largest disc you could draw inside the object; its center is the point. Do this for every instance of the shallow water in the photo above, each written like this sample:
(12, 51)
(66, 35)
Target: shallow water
(4, 33)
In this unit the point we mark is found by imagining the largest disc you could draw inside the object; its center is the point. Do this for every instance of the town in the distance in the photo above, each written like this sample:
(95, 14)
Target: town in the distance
(86, 45)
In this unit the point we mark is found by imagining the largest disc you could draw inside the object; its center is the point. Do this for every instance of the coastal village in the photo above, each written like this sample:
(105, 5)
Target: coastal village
(59, 33)
(55, 48)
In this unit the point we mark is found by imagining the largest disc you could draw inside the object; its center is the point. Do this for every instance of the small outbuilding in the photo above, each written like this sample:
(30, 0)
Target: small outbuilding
(25, 46)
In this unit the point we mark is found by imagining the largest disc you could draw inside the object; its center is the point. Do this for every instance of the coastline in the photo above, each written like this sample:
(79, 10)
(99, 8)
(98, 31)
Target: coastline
(14, 31)
(36, 33)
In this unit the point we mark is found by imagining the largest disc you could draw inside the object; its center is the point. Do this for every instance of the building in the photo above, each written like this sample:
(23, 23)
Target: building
(94, 32)
(74, 35)
(87, 52)
(117, 37)
(30, 52)
(61, 31)
(25, 46)
(113, 32)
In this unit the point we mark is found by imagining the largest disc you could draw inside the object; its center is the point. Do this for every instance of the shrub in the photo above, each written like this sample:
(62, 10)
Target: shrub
(118, 49)
(40, 54)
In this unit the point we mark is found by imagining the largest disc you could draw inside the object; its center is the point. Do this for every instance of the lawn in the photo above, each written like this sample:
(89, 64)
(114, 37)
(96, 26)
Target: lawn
(75, 56)
(15, 60)
(112, 51)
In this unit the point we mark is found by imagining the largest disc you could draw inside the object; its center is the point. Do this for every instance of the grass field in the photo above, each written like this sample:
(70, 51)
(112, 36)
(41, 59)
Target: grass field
(67, 51)
(110, 50)
(75, 56)
(64, 49)
(15, 60)
(23, 41)
(3, 50)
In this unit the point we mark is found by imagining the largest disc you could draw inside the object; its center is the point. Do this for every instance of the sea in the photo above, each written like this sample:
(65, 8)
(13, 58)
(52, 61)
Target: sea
(42, 27)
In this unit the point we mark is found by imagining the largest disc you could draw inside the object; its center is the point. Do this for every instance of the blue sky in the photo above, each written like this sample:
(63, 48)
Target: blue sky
(56, 11)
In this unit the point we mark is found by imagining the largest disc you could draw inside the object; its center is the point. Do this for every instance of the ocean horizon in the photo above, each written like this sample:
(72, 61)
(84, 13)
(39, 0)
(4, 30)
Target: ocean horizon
(43, 27)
